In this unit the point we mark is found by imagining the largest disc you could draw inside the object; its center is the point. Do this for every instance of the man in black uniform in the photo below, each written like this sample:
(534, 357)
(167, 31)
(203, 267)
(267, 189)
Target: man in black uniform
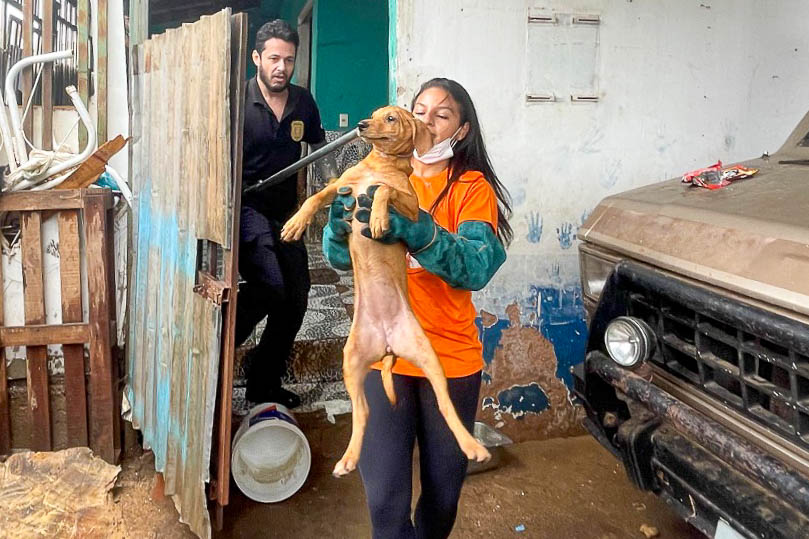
(278, 116)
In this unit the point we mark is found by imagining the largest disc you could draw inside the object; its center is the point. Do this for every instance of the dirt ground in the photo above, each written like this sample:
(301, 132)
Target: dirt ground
(142, 515)
(559, 488)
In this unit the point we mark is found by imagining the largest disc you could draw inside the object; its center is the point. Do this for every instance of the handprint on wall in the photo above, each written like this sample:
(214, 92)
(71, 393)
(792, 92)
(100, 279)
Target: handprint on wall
(555, 272)
(584, 215)
(566, 235)
(534, 227)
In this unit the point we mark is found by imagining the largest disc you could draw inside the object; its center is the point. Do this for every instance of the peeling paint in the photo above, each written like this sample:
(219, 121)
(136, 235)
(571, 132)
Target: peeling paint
(519, 400)
(524, 392)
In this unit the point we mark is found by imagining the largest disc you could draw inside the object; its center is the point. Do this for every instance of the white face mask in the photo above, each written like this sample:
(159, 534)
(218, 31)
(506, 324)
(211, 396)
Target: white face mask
(439, 152)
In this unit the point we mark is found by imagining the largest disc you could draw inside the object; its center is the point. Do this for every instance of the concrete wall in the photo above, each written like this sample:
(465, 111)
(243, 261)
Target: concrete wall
(681, 83)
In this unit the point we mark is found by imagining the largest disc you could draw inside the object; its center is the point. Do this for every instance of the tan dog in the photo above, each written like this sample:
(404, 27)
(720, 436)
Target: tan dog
(384, 326)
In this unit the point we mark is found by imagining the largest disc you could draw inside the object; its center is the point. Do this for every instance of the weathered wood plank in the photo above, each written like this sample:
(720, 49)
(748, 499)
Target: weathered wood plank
(102, 406)
(101, 70)
(115, 352)
(223, 424)
(44, 334)
(158, 387)
(5, 413)
(165, 207)
(142, 176)
(215, 207)
(28, 72)
(83, 27)
(178, 46)
(189, 185)
(178, 198)
(93, 166)
(41, 200)
(47, 76)
(36, 356)
(70, 272)
(151, 272)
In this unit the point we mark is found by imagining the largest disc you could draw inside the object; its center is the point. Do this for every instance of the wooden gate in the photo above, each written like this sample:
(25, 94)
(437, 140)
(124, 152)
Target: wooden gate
(91, 413)
(187, 89)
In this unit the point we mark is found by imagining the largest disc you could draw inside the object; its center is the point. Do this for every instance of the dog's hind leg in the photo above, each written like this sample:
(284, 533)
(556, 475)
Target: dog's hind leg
(410, 342)
(359, 353)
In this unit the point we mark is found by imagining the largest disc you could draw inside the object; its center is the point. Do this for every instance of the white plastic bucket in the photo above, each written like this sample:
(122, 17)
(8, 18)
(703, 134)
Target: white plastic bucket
(271, 457)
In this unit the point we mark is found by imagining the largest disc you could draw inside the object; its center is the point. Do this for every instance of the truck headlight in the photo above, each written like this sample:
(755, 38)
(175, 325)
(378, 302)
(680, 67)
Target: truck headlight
(594, 274)
(629, 341)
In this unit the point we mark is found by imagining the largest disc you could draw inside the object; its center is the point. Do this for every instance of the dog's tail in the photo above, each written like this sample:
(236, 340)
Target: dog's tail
(387, 377)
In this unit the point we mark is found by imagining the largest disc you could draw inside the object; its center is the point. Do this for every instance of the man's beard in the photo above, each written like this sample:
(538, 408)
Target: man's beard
(274, 87)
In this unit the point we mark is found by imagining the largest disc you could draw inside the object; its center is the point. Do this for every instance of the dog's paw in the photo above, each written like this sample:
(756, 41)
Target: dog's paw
(346, 465)
(293, 229)
(475, 451)
(379, 226)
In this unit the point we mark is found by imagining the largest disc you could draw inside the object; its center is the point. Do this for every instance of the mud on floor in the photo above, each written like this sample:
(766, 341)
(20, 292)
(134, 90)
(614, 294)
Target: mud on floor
(545, 489)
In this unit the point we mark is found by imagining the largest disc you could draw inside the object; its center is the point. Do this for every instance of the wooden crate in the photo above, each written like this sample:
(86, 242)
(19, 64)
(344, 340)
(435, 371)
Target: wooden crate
(92, 410)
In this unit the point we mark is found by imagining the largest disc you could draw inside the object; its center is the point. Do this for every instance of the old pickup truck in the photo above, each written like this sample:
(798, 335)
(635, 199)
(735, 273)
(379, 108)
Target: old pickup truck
(697, 367)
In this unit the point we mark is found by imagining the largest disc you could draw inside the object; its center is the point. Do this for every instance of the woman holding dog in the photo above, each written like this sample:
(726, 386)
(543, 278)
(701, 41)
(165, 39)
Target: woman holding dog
(455, 247)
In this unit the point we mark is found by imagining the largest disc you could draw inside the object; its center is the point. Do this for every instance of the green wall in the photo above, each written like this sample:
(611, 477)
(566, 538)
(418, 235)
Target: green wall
(350, 61)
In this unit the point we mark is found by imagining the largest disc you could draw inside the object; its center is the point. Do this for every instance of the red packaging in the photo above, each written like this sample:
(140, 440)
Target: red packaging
(708, 177)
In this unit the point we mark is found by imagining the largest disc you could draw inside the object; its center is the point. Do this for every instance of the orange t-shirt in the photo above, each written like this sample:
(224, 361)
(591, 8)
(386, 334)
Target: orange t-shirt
(447, 314)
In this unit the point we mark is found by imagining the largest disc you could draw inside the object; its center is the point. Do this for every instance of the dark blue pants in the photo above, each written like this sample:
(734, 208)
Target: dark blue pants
(277, 286)
(386, 461)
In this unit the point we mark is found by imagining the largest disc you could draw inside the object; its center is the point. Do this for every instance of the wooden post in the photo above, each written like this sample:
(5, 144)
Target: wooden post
(83, 25)
(231, 270)
(101, 71)
(47, 76)
(69, 265)
(36, 357)
(5, 415)
(27, 74)
(101, 390)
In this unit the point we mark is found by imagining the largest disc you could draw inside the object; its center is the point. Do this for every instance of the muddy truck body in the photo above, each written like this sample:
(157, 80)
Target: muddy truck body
(696, 374)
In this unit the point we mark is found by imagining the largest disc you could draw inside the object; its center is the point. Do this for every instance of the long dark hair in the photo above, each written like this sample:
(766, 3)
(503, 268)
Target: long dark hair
(470, 154)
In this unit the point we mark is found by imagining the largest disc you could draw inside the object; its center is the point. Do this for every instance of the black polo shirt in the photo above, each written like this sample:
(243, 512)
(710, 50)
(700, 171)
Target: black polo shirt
(270, 145)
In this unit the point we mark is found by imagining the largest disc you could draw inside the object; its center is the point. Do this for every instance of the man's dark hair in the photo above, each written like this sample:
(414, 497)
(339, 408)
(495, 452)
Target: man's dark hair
(279, 29)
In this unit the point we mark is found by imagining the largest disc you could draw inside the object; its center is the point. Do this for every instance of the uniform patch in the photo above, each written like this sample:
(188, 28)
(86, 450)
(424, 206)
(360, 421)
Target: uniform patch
(296, 130)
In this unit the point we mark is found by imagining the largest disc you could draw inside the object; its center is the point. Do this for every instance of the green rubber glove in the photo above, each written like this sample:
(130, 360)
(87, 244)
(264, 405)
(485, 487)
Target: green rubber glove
(336, 231)
(468, 259)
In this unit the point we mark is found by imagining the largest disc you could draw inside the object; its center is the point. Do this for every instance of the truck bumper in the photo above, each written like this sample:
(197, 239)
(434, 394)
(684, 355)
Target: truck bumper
(701, 469)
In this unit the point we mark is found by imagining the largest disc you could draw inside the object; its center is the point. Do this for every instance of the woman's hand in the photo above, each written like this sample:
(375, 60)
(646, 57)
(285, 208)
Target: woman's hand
(416, 235)
(336, 231)
(468, 259)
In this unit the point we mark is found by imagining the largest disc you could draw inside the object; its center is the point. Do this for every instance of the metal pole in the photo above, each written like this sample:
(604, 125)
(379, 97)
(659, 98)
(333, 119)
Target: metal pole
(297, 165)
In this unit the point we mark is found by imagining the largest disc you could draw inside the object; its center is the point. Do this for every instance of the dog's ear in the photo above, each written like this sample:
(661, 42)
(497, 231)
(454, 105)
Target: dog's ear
(422, 138)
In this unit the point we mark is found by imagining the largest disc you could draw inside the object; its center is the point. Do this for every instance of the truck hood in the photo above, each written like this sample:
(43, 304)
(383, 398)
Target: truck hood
(751, 237)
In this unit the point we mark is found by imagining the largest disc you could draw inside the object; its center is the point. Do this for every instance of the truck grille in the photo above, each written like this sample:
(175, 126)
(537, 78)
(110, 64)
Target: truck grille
(750, 359)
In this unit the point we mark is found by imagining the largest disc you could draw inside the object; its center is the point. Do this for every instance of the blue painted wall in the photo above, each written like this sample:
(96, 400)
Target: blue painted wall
(528, 355)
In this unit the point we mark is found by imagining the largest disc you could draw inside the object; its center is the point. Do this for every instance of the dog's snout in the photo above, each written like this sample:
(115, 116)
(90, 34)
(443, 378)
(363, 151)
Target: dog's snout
(363, 125)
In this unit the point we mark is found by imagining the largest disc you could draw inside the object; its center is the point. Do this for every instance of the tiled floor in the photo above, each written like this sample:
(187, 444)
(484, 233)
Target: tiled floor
(315, 367)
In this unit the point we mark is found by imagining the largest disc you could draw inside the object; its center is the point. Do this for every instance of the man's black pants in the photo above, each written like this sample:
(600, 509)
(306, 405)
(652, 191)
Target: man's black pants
(277, 275)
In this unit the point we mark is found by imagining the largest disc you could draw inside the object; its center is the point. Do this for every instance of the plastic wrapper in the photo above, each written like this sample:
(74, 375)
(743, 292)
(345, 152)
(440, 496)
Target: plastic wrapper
(714, 177)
